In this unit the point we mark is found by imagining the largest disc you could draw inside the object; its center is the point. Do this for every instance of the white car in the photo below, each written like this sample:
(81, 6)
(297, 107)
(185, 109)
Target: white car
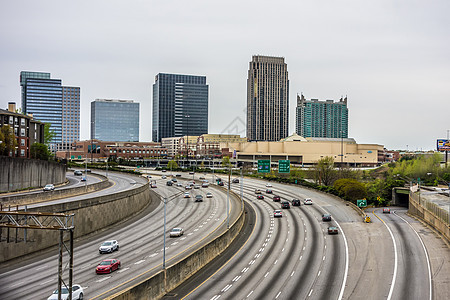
(208, 195)
(179, 184)
(108, 247)
(77, 293)
(176, 232)
(188, 187)
(268, 185)
(186, 195)
(308, 201)
(277, 213)
(164, 177)
(49, 187)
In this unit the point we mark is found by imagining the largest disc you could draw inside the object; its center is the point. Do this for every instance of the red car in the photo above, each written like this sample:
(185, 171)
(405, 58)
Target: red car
(107, 266)
(260, 197)
(276, 198)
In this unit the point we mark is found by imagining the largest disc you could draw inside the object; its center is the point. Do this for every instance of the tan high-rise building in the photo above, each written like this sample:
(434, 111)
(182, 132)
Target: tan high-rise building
(267, 99)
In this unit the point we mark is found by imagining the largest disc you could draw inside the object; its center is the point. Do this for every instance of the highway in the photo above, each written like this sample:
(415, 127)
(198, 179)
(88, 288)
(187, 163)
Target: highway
(141, 245)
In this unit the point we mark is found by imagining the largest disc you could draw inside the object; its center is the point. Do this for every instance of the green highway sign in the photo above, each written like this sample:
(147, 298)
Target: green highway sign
(263, 166)
(284, 166)
(361, 203)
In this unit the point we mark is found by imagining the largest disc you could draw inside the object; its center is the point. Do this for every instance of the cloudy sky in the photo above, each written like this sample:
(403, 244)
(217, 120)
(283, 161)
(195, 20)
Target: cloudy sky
(391, 57)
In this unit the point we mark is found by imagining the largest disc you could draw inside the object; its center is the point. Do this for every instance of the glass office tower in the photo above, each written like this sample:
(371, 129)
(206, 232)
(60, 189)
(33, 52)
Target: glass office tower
(115, 120)
(325, 119)
(180, 106)
(42, 97)
(70, 116)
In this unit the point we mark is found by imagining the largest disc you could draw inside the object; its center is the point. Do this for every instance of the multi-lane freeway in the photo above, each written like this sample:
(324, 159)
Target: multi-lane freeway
(292, 257)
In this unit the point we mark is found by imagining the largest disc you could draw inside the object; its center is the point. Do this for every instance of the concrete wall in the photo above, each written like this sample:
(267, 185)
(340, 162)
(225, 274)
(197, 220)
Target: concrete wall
(153, 287)
(418, 210)
(90, 215)
(27, 199)
(21, 173)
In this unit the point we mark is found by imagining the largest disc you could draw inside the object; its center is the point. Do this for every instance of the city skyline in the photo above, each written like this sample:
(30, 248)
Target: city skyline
(394, 67)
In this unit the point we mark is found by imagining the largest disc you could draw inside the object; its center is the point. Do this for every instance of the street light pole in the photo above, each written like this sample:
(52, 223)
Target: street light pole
(164, 249)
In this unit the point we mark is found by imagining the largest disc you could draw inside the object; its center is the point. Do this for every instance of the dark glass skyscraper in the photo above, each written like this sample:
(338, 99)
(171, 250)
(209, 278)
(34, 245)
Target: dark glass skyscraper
(42, 97)
(115, 120)
(180, 106)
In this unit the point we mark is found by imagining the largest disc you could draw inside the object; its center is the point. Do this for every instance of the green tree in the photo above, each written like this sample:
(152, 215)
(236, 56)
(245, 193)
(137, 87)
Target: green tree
(49, 134)
(40, 151)
(172, 165)
(226, 162)
(8, 141)
(324, 171)
(350, 189)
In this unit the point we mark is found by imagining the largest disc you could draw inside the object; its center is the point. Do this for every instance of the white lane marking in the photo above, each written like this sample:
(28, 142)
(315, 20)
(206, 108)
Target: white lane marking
(301, 257)
(310, 292)
(183, 238)
(394, 277)
(196, 229)
(341, 293)
(323, 257)
(190, 233)
(252, 262)
(318, 274)
(292, 274)
(236, 278)
(266, 275)
(249, 294)
(153, 255)
(303, 248)
(244, 270)
(40, 268)
(275, 262)
(17, 284)
(257, 255)
(287, 240)
(279, 293)
(139, 262)
(226, 288)
(45, 282)
(174, 243)
(282, 250)
(215, 297)
(122, 270)
(103, 279)
(426, 255)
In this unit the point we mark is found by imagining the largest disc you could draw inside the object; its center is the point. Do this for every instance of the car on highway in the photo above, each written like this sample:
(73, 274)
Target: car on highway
(205, 184)
(332, 230)
(220, 183)
(77, 293)
(201, 177)
(177, 175)
(187, 195)
(209, 195)
(164, 177)
(107, 266)
(49, 187)
(174, 180)
(236, 180)
(109, 247)
(276, 198)
(196, 186)
(386, 210)
(83, 178)
(169, 183)
(191, 173)
(295, 202)
(188, 187)
(153, 185)
(326, 217)
(260, 197)
(77, 173)
(164, 170)
(277, 213)
(285, 204)
(269, 191)
(179, 184)
(175, 232)
(257, 191)
(87, 171)
(307, 201)
(198, 198)
(268, 185)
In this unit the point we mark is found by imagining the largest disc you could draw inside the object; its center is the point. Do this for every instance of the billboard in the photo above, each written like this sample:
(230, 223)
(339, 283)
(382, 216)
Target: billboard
(443, 145)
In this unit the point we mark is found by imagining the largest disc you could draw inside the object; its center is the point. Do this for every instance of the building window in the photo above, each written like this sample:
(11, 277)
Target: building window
(22, 132)
(22, 142)
(22, 152)
(22, 121)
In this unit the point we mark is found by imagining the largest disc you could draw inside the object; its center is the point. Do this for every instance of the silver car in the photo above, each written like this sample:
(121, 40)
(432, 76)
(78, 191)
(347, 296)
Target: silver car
(49, 187)
(176, 232)
(77, 293)
(108, 247)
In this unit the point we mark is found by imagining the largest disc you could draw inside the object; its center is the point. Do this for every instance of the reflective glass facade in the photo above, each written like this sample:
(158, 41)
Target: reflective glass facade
(115, 120)
(42, 97)
(70, 116)
(180, 106)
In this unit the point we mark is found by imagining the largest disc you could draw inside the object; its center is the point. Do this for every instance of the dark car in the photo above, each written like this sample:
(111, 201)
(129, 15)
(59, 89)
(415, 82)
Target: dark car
(260, 197)
(326, 217)
(296, 202)
(285, 204)
(332, 230)
(174, 180)
(220, 183)
(198, 198)
(276, 198)
(169, 183)
(269, 191)
(178, 175)
(235, 180)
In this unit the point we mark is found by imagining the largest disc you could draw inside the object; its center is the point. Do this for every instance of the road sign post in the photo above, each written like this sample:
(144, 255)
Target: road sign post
(284, 166)
(263, 166)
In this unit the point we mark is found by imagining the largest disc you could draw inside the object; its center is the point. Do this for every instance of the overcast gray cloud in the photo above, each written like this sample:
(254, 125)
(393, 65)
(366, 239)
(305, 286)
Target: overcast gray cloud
(390, 57)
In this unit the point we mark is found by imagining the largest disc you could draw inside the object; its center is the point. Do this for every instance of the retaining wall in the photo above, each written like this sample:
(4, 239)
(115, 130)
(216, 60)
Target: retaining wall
(21, 173)
(90, 215)
(159, 284)
(417, 209)
(26, 199)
